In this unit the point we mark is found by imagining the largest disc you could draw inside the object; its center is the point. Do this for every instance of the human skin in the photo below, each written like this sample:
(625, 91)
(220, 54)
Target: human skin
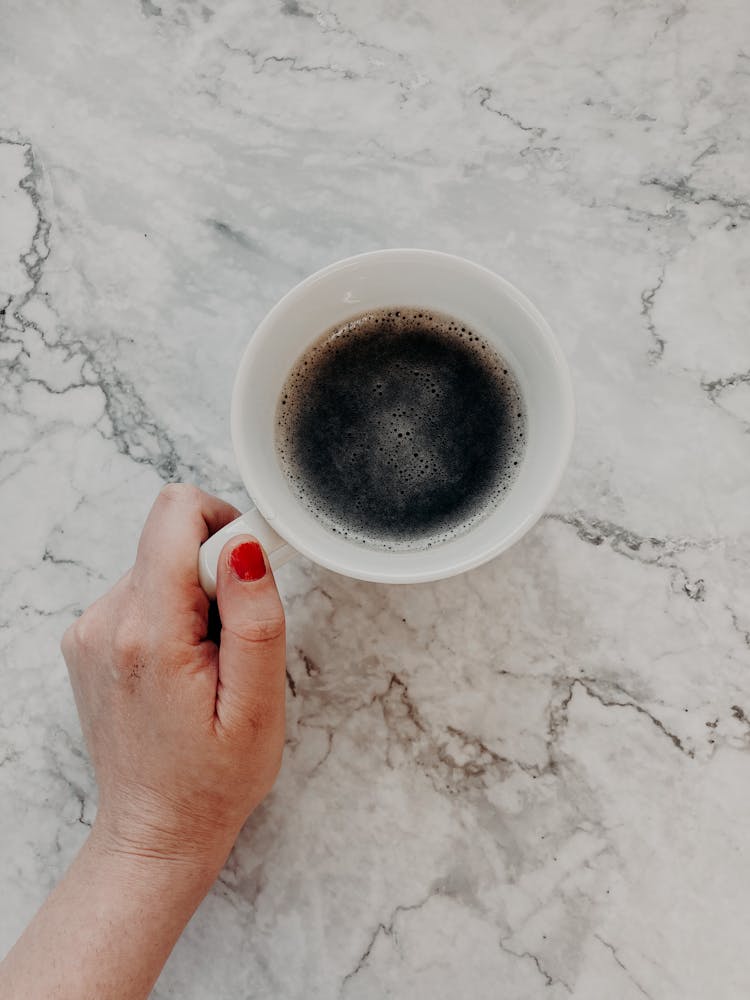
(186, 737)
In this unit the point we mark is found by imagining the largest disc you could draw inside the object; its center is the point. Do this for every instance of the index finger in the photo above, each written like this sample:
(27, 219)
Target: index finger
(181, 519)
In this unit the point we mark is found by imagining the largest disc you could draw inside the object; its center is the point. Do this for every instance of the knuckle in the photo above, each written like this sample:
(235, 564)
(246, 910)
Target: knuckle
(79, 637)
(181, 493)
(68, 641)
(127, 642)
(264, 630)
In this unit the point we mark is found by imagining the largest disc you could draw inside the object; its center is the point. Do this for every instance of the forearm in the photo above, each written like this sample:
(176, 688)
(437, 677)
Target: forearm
(107, 929)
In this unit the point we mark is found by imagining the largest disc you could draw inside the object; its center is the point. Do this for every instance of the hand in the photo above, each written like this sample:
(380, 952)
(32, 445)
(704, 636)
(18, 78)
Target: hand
(186, 735)
(186, 738)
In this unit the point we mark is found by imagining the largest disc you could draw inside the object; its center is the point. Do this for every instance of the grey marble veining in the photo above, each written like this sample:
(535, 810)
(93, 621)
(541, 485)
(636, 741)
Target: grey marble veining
(527, 782)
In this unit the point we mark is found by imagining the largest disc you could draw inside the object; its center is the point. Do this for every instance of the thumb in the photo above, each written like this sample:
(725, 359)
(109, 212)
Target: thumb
(252, 660)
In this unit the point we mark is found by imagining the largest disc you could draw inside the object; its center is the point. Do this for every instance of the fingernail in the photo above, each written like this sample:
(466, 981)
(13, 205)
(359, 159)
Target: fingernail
(247, 561)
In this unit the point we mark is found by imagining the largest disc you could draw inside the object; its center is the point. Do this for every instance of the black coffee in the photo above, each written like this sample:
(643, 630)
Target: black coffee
(400, 428)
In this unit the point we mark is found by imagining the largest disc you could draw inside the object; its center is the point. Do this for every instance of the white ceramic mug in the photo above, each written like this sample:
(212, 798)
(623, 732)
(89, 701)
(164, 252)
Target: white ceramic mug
(481, 299)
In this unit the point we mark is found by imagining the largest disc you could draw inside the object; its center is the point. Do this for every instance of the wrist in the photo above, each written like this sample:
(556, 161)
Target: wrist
(136, 863)
(143, 827)
(108, 927)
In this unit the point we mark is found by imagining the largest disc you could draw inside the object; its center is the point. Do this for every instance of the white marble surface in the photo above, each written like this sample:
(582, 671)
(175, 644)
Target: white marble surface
(530, 782)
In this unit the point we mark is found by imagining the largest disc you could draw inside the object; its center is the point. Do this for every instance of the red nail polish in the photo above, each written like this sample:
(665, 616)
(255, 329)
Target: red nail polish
(247, 561)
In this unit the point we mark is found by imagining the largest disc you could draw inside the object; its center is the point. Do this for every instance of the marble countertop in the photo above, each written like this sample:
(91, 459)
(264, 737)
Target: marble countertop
(528, 782)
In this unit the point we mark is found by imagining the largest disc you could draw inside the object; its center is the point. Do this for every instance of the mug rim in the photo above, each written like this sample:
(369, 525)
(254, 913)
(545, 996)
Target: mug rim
(459, 565)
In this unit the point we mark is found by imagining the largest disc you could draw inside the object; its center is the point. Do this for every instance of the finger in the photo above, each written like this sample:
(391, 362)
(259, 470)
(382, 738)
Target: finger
(252, 662)
(181, 519)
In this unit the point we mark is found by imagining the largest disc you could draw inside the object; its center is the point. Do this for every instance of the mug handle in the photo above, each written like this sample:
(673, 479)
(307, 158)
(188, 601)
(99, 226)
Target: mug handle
(251, 523)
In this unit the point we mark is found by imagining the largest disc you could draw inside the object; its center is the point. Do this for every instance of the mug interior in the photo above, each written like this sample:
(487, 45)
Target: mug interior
(430, 280)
